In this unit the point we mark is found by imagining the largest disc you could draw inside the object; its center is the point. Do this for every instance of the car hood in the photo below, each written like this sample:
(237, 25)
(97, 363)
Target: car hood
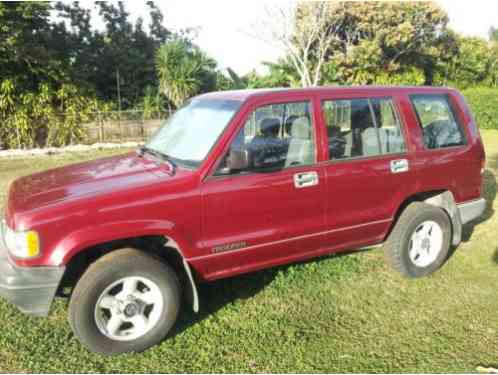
(83, 180)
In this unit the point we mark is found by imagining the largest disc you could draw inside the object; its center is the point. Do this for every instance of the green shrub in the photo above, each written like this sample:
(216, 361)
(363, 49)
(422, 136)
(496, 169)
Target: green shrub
(410, 77)
(45, 117)
(483, 103)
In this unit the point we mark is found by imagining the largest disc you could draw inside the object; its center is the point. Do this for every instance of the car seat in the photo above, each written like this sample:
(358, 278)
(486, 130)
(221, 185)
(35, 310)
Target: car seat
(301, 150)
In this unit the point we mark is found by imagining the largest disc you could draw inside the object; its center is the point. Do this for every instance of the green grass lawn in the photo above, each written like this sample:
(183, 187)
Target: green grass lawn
(337, 314)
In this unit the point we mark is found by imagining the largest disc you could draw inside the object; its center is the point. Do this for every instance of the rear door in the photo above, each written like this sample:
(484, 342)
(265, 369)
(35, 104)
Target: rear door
(274, 211)
(369, 168)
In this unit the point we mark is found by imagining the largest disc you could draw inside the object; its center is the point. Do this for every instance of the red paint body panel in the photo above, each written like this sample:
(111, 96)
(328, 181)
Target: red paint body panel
(104, 200)
(354, 204)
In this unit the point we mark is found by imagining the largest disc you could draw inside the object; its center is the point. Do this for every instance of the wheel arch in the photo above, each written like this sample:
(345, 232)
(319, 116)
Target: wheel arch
(94, 235)
(439, 198)
(79, 250)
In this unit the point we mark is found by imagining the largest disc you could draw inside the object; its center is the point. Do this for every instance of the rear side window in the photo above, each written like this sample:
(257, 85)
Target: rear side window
(362, 128)
(438, 121)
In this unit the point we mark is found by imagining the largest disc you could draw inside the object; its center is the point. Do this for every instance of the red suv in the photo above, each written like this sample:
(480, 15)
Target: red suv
(236, 182)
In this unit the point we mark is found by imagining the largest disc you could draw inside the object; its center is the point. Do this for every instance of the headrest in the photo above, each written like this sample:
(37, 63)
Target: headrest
(269, 126)
(301, 128)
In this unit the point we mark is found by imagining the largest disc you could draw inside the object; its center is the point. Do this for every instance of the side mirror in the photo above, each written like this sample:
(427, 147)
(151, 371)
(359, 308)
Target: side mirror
(239, 160)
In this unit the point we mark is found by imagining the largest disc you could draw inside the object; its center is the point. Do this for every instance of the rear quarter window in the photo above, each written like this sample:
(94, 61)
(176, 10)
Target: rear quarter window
(440, 126)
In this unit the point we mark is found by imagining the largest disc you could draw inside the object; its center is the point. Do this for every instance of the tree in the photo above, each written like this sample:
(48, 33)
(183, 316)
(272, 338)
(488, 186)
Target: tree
(78, 45)
(159, 33)
(493, 65)
(304, 33)
(280, 74)
(54, 69)
(377, 38)
(184, 70)
(152, 105)
(26, 55)
(475, 63)
(95, 58)
(360, 42)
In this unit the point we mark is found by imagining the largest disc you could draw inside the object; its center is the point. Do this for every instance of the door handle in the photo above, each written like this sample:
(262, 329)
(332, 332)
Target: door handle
(305, 179)
(400, 166)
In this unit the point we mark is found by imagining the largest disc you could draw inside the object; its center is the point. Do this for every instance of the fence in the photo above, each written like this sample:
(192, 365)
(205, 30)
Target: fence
(122, 126)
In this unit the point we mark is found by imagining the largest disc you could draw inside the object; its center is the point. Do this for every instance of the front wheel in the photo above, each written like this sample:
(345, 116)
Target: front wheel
(420, 241)
(127, 301)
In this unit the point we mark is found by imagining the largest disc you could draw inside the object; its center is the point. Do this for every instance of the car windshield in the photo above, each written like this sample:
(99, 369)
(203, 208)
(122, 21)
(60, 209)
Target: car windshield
(189, 134)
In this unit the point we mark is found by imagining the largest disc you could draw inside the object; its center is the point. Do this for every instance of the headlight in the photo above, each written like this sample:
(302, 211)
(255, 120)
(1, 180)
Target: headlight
(22, 244)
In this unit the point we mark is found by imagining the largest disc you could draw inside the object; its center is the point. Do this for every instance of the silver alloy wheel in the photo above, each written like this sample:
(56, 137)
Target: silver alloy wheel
(426, 243)
(129, 308)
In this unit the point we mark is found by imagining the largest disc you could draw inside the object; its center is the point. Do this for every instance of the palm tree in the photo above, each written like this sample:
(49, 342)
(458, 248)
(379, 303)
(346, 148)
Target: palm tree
(183, 70)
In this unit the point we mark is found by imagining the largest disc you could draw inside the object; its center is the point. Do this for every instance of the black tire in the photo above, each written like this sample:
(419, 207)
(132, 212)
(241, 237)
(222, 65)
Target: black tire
(103, 273)
(397, 246)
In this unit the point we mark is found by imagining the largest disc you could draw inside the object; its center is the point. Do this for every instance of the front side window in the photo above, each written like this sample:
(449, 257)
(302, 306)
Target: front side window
(362, 128)
(273, 137)
(438, 121)
(189, 134)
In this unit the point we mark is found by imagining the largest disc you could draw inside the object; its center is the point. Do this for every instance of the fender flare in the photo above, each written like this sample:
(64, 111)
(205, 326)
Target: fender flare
(195, 295)
(447, 202)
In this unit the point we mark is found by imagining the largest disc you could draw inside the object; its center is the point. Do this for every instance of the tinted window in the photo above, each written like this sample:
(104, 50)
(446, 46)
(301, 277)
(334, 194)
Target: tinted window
(362, 128)
(277, 136)
(439, 125)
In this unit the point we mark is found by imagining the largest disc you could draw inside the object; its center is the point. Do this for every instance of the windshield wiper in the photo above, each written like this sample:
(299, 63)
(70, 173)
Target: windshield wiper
(188, 163)
(147, 150)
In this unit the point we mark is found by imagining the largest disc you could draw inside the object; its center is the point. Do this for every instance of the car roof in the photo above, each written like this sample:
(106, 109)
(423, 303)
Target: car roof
(243, 95)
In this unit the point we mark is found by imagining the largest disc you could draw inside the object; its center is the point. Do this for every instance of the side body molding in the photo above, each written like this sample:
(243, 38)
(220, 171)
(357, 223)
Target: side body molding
(447, 202)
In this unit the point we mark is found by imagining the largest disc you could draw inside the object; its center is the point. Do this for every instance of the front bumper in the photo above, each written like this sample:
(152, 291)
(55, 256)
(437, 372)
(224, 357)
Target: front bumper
(471, 210)
(31, 289)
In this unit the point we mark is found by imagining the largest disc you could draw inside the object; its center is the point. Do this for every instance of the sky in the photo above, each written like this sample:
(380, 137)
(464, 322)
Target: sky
(226, 27)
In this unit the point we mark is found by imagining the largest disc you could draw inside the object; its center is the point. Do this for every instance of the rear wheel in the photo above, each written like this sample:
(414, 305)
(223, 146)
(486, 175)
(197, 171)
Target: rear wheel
(127, 301)
(420, 241)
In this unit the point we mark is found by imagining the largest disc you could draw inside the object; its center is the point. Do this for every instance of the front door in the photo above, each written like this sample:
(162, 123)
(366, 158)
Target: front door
(271, 211)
